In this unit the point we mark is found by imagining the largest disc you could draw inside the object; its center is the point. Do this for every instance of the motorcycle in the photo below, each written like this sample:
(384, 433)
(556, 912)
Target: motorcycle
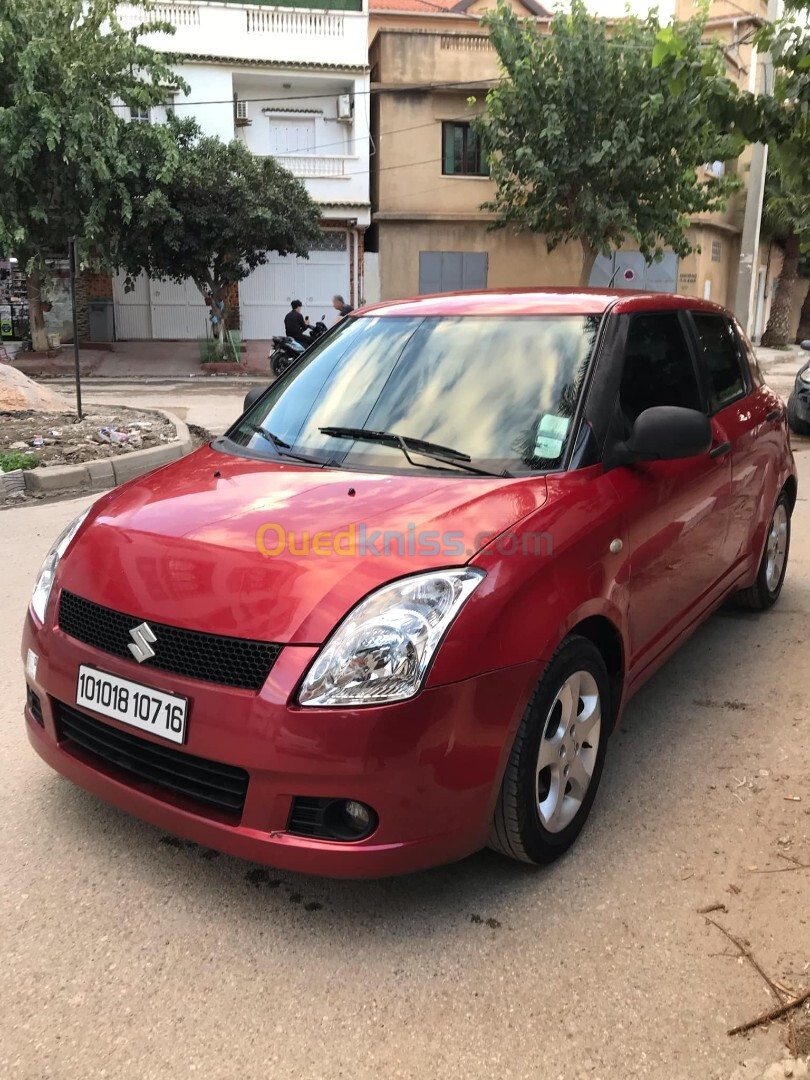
(287, 350)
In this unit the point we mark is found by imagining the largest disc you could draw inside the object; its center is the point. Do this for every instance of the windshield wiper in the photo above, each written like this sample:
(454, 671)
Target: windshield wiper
(436, 451)
(283, 449)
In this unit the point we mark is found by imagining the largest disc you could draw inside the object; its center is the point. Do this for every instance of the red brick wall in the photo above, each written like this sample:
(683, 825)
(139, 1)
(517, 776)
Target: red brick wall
(97, 286)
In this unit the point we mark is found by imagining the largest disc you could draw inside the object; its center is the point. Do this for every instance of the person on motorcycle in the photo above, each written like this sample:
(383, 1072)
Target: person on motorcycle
(296, 325)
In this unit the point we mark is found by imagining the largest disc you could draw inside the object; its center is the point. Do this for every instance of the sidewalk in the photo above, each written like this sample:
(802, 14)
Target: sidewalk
(779, 366)
(180, 359)
(145, 360)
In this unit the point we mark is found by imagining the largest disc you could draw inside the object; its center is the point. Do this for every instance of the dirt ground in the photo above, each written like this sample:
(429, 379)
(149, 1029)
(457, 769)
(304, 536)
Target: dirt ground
(132, 954)
(58, 439)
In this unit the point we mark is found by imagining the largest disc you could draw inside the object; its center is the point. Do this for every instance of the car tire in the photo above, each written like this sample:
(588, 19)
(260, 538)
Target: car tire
(543, 804)
(765, 591)
(795, 422)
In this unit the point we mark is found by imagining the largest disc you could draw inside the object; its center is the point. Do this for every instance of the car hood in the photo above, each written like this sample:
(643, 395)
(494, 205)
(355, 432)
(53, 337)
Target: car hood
(179, 546)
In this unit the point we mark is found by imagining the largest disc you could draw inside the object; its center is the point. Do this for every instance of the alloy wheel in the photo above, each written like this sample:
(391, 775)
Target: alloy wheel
(776, 547)
(568, 748)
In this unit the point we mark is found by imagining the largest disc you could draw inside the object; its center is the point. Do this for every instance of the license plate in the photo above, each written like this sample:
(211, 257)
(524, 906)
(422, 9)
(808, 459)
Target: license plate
(133, 703)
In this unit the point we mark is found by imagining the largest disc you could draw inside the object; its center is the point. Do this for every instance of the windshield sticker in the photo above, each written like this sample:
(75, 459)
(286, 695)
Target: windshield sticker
(551, 432)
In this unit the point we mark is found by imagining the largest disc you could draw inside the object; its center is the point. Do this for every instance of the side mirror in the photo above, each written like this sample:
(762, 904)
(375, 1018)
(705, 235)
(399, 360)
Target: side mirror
(805, 345)
(253, 396)
(663, 433)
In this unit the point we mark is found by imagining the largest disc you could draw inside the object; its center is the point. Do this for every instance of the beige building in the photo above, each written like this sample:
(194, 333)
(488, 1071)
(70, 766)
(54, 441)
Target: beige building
(428, 184)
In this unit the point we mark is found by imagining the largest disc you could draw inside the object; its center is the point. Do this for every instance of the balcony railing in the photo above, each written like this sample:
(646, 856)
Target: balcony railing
(466, 42)
(179, 15)
(310, 23)
(252, 32)
(313, 166)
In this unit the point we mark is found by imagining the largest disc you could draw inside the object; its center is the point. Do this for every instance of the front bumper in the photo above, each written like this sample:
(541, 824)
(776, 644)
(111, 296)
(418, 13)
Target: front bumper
(430, 767)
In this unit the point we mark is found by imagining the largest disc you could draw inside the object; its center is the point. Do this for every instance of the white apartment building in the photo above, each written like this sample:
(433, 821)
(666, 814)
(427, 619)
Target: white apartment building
(288, 80)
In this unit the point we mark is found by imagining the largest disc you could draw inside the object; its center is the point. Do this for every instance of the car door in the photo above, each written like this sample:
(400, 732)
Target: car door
(675, 512)
(752, 417)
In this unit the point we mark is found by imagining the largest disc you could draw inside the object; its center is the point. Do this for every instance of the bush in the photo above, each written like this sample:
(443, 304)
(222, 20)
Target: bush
(17, 459)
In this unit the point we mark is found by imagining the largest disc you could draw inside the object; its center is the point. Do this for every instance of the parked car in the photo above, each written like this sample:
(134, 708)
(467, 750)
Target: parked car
(394, 614)
(798, 406)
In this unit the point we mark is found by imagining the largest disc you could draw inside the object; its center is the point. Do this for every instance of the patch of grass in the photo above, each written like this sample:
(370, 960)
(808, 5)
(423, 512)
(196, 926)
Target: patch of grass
(209, 355)
(17, 459)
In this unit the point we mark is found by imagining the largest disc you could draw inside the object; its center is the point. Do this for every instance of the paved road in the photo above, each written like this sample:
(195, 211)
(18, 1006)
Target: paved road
(128, 954)
(212, 403)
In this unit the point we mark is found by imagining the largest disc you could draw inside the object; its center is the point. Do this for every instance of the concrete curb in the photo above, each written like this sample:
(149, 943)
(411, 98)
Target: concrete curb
(109, 472)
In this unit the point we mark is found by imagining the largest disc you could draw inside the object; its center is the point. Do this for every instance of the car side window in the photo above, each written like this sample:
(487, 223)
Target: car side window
(658, 368)
(754, 370)
(721, 352)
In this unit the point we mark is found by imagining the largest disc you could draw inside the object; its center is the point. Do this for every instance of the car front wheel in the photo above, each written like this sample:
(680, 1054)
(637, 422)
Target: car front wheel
(556, 760)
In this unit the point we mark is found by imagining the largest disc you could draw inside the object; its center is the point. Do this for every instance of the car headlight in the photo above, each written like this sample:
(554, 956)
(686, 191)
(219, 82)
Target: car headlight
(47, 572)
(805, 375)
(382, 651)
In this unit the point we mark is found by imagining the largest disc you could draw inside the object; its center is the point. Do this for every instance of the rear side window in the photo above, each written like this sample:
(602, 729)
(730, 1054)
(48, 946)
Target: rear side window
(721, 352)
(658, 368)
(757, 378)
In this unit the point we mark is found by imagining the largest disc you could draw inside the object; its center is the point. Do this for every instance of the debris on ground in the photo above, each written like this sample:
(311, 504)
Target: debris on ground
(51, 438)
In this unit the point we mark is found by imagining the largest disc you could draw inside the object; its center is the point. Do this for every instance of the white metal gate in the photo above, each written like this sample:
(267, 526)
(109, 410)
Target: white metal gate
(266, 294)
(159, 309)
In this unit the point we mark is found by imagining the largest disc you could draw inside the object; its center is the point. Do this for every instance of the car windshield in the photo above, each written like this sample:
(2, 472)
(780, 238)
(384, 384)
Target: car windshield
(458, 394)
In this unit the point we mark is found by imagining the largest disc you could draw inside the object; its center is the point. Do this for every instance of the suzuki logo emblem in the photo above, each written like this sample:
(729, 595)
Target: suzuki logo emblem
(141, 636)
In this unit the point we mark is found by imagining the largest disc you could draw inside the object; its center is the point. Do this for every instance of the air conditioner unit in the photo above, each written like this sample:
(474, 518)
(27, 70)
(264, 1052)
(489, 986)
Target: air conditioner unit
(241, 112)
(344, 107)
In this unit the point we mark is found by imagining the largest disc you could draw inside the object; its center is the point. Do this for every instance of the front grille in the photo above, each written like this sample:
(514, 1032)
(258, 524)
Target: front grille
(35, 706)
(208, 782)
(226, 660)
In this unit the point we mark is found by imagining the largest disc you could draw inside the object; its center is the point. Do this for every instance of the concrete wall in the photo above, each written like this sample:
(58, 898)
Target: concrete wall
(514, 261)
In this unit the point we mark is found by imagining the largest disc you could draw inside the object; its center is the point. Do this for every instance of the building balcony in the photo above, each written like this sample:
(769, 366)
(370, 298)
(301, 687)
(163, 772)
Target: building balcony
(254, 32)
(320, 166)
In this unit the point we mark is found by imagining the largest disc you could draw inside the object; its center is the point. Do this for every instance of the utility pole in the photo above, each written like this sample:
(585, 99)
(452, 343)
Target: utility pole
(748, 270)
(74, 269)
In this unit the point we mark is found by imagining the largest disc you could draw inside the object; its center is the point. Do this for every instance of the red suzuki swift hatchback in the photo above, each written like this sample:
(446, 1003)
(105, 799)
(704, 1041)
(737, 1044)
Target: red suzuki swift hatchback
(394, 613)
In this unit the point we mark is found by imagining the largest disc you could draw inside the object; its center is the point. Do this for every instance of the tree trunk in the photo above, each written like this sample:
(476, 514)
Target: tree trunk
(36, 320)
(804, 319)
(588, 259)
(219, 320)
(777, 332)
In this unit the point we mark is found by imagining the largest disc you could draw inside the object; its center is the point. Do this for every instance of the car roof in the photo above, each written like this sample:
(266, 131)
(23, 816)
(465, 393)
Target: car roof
(539, 302)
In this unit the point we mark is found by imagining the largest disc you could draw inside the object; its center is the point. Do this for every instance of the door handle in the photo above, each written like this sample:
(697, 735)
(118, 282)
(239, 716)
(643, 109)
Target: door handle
(774, 414)
(720, 450)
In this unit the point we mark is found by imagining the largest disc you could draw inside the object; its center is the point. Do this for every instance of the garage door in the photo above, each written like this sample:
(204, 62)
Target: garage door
(266, 294)
(159, 309)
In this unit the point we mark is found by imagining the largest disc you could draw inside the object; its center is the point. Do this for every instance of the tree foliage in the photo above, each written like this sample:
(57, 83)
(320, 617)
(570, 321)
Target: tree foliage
(595, 134)
(69, 74)
(215, 218)
(64, 140)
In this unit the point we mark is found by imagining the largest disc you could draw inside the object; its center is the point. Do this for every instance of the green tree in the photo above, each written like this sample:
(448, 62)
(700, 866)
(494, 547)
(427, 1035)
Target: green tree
(786, 210)
(70, 72)
(592, 138)
(786, 221)
(215, 218)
